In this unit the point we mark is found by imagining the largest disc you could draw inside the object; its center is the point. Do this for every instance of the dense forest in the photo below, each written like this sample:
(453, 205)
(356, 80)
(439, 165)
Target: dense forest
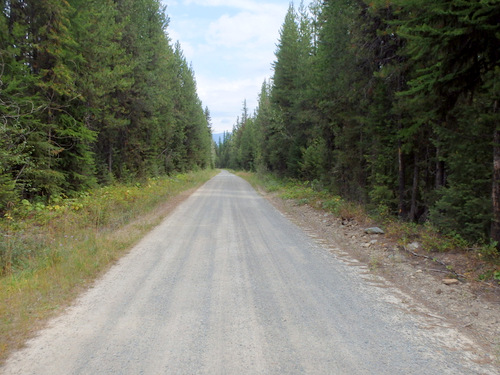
(91, 92)
(390, 103)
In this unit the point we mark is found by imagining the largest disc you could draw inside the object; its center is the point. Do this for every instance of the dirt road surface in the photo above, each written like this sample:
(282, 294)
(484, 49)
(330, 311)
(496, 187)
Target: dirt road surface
(228, 285)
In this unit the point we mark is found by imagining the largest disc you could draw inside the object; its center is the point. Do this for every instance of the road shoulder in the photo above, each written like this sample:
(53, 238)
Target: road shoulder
(472, 311)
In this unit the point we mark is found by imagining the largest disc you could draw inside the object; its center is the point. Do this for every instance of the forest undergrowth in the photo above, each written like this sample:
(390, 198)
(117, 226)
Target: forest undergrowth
(482, 260)
(50, 251)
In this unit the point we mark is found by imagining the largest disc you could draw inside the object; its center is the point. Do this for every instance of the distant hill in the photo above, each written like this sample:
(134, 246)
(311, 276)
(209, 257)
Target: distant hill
(218, 137)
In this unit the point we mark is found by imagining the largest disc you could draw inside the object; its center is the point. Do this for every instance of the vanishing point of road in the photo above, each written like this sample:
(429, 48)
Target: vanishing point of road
(228, 285)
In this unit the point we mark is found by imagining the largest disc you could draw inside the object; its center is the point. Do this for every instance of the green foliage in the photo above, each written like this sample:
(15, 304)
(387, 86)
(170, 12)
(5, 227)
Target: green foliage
(460, 209)
(393, 104)
(448, 78)
(434, 242)
(333, 204)
(93, 91)
(290, 93)
(30, 230)
(301, 191)
(491, 274)
(382, 195)
(490, 251)
(313, 161)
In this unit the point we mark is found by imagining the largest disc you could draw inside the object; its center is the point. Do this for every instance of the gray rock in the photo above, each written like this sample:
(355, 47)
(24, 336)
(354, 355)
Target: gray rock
(413, 246)
(374, 230)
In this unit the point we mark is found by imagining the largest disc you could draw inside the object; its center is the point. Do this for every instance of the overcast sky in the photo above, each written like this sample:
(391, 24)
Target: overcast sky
(231, 44)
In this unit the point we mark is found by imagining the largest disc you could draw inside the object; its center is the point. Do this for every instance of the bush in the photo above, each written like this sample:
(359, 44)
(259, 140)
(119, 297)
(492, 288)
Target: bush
(459, 210)
(311, 166)
(8, 194)
(32, 232)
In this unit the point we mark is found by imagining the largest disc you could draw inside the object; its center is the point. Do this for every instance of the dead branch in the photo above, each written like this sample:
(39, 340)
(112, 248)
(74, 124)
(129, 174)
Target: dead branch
(436, 261)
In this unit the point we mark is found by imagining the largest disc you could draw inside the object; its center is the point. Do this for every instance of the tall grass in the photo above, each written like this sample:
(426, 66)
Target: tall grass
(48, 252)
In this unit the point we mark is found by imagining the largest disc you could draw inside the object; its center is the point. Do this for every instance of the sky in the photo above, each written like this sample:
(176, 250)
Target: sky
(231, 45)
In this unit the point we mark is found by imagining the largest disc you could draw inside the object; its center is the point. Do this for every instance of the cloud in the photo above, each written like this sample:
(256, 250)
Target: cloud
(245, 21)
(224, 98)
(231, 44)
(243, 30)
(254, 6)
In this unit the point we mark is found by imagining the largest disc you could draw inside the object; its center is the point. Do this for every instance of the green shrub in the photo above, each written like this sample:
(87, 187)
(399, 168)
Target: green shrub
(461, 210)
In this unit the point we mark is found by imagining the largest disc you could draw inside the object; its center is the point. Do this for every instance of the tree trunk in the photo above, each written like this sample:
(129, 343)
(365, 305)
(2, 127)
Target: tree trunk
(414, 191)
(401, 188)
(110, 158)
(440, 179)
(49, 139)
(495, 194)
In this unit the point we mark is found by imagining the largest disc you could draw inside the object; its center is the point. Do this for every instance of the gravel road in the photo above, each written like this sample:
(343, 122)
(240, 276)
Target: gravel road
(228, 285)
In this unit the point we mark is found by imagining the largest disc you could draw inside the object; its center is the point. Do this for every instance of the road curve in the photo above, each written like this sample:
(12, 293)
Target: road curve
(227, 285)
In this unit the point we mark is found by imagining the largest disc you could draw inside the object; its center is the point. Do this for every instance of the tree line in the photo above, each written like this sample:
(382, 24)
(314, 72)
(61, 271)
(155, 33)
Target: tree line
(93, 91)
(391, 103)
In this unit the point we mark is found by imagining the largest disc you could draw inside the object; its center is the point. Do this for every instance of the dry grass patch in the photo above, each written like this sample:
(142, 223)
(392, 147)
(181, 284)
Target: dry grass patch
(50, 253)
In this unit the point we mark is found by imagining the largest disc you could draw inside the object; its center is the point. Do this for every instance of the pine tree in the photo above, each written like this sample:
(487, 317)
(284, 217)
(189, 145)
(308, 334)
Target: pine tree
(461, 37)
(93, 88)
(291, 89)
(41, 54)
(285, 90)
(263, 120)
(15, 114)
(104, 74)
(339, 99)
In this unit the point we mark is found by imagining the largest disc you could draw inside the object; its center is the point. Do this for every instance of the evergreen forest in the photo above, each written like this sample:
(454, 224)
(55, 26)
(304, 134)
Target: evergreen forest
(390, 103)
(92, 92)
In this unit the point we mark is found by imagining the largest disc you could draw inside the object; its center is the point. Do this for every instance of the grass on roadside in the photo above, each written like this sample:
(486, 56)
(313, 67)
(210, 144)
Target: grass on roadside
(483, 257)
(304, 193)
(48, 253)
